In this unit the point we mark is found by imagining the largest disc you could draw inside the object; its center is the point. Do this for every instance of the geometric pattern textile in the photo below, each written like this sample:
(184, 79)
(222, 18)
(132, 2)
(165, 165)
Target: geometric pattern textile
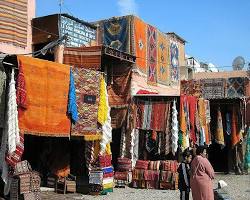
(235, 87)
(213, 88)
(152, 55)
(87, 83)
(174, 61)
(163, 75)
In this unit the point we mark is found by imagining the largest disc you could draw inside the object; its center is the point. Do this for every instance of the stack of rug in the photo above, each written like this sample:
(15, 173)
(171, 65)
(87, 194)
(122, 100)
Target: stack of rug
(108, 179)
(169, 175)
(123, 173)
(25, 183)
(138, 179)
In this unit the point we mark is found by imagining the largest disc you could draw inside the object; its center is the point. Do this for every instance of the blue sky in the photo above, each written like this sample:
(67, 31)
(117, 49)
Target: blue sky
(216, 30)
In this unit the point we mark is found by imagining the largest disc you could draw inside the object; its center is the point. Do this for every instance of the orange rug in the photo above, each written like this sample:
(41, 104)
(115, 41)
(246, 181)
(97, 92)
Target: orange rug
(47, 85)
(140, 30)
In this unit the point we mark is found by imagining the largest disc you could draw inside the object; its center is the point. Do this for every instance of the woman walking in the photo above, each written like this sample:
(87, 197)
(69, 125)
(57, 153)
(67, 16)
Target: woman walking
(202, 174)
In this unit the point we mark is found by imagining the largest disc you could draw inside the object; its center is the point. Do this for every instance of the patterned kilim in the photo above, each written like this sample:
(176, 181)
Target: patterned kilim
(191, 87)
(13, 25)
(117, 33)
(140, 30)
(47, 86)
(163, 73)
(152, 55)
(235, 87)
(213, 88)
(87, 83)
(174, 62)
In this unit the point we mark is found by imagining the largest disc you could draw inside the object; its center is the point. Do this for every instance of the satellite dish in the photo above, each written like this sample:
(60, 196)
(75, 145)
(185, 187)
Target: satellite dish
(238, 63)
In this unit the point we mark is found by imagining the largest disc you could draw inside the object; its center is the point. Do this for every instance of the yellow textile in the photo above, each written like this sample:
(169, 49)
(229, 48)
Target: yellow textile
(92, 137)
(103, 107)
(108, 185)
(203, 121)
(183, 122)
(108, 149)
(219, 135)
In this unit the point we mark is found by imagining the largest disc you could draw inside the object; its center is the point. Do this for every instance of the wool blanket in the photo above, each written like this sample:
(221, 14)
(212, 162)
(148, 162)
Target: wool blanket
(235, 87)
(2, 93)
(236, 135)
(87, 83)
(192, 103)
(140, 40)
(116, 33)
(121, 176)
(213, 88)
(174, 62)
(47, 98)
(219, 134)
(163, 71)
(152, 55)
(151, 175)
(141, 164)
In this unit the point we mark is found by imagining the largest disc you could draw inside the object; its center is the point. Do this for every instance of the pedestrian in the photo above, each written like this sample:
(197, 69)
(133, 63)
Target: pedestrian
(184, 175)
(202, 174)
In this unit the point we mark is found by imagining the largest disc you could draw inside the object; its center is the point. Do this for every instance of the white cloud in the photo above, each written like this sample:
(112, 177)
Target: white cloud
(128, 7)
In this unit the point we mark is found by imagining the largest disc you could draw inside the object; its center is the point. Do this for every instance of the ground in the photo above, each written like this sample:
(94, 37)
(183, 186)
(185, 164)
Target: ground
(238, 189)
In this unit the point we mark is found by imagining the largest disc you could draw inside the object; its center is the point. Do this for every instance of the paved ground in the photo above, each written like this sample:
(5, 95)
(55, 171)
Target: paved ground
(238, 188)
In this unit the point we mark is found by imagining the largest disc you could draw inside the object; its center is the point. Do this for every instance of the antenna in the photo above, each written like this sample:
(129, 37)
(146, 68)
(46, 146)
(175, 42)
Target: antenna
(238, 63)
(60, 5)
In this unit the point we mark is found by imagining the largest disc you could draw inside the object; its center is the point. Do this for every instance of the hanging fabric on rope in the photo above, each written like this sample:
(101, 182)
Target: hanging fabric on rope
(236, 135)
(174, 128)
(219, 134)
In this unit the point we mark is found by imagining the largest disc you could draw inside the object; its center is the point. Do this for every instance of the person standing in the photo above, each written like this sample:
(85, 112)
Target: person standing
(202, 174)
(184, 175)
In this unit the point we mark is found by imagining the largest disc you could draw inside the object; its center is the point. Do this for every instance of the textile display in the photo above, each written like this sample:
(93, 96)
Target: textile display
(105, 160)
(87, 83)
(151, 175)
(213, 88)
(89, 154)
(108, 180)
(88, 58)
(147, 116)
(21, 92)
(192, 103)
(12, 116)
(120, 183)
(158, 116)
(140, 32)
(154, 165)
(235, 87)
(102, 114)
(228, 123)
(46, 113)
(219, 134)
(151, 55)
(72, 107)
(204, 135)
(95, 189)
(2, 93)
(13, 158)
(14, 22)
(32, 196)
(167, 176)
(121, 176)
(95, 177)
(247, 154)
(107, 170)
(118, 117)
(117, 33)
(108, 175)
(106, 125)
(167, 137)
(135, 146)
(163, 71)
(124, 164)
(119, 85)
(191, 87)
(174, 62)
(141, 164)
(138, 174)
(169, 165)
(184, 117)
(236, 135)
(174, 129)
